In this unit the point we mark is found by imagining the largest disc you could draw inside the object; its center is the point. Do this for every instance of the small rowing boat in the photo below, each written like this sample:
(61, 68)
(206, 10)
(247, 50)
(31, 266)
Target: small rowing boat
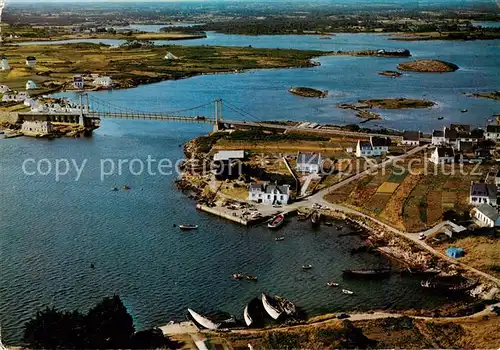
(332, 284)
(347, 291)
(251, 278)
(306, 267)
(271, 306)
(247, 317)
(237, 276)
(279, 239)
(276, 221)
(188, 227)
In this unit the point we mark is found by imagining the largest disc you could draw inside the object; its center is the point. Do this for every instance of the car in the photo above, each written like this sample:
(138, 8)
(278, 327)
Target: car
(495, 308)
(421, 236)
(316, 206)
(342, 316)
(277, 206)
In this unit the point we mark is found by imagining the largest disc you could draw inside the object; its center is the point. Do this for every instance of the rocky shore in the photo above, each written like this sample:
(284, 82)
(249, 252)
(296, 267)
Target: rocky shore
(397, 103)
(390, 73)
(308, 92)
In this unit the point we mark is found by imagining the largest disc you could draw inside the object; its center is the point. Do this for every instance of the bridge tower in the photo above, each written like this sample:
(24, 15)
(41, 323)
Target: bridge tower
(83, 108)
(218, 115)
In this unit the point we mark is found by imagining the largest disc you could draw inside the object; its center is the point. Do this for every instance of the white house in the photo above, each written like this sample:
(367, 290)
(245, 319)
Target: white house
(229, 155)
(37, 127)
(78, 82)
(105, 82)
(269, 194)
(482, 193)
(30, 85)
(308, 162)
(411, 138)
(438, 138)
(4, 89)
(486, 215)
(376, 147)
(15, 97)
(443, 155)
(4, 64)
(171, 56)
(31, 61)
(492, 133)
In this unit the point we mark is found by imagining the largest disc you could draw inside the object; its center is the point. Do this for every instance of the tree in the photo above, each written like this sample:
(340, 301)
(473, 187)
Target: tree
(52, 329)
(109, 325)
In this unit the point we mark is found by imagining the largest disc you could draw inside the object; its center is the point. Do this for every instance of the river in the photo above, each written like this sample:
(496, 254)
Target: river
(51, 231)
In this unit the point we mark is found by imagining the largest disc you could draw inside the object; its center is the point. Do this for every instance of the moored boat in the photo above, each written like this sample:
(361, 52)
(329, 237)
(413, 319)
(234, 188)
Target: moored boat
(188, 227)
(237, 276)
(247, 317)
(271, 306)
(251, 278)
(276, 221)
(367, 273)
(448, 283)
(307, 267)
(205, 322)
(279, 239)
(332, 284)
(316, 218)
(347, 291)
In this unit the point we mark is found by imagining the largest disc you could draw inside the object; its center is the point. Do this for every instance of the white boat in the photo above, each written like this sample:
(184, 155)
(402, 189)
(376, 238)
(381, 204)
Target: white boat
(273, 311)
(246, 316)
(307, 267)
(188, 227)
(205, 322)
(347, 291)
(332, 284)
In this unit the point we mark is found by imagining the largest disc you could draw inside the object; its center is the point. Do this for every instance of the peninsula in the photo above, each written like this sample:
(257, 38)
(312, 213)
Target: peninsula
(495, 95)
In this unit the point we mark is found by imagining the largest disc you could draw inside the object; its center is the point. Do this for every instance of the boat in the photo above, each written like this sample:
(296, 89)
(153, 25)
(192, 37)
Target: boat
(367, 273)
(278, 239)
(271, 306)
(288, 307)
(306, 267)
(205, 322)
(328, 223)
(413, 272)
(339, 228)
(256, 215)
(114, 189)
(251, 278)
(448, 283)
(464, 110)
(315, 218)
(126, 187)
(440, 118)
(347, 291)
(332, 284)
(237, 276)
(247, 317)
(188, 227)
(276, 221)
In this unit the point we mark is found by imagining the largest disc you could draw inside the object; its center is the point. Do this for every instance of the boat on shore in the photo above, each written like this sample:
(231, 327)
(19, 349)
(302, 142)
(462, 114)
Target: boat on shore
(277, 221)
(419, 272)
(205, 322)
(367, 273)
(288, 307)
(188, 227)
(271, 306)
(448, 284)
(347, 291)
(247, 317)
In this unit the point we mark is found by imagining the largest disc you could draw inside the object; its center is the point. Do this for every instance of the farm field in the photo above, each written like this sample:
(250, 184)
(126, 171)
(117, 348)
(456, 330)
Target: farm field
(411, 201)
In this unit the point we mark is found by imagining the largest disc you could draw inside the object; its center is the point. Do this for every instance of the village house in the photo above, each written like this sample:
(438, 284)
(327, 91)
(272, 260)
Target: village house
(455, 134)
(171, 56)
(105, 82)
(78, 82)
(443, 155)
(4, 64)
(4, 89)
(37, 127)
(492, 133)
(411, 138)
(377, 146)
(15, 97)
(486, 216)
(30, 85)
(269, 194)
(308, 163)
(31, 61)
(481, 193)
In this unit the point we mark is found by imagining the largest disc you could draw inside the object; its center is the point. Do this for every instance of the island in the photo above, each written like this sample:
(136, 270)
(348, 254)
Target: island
(308, 92)
(428, 66)
(397, 103)
(390, 73)
(376, 53)
(495, 95)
